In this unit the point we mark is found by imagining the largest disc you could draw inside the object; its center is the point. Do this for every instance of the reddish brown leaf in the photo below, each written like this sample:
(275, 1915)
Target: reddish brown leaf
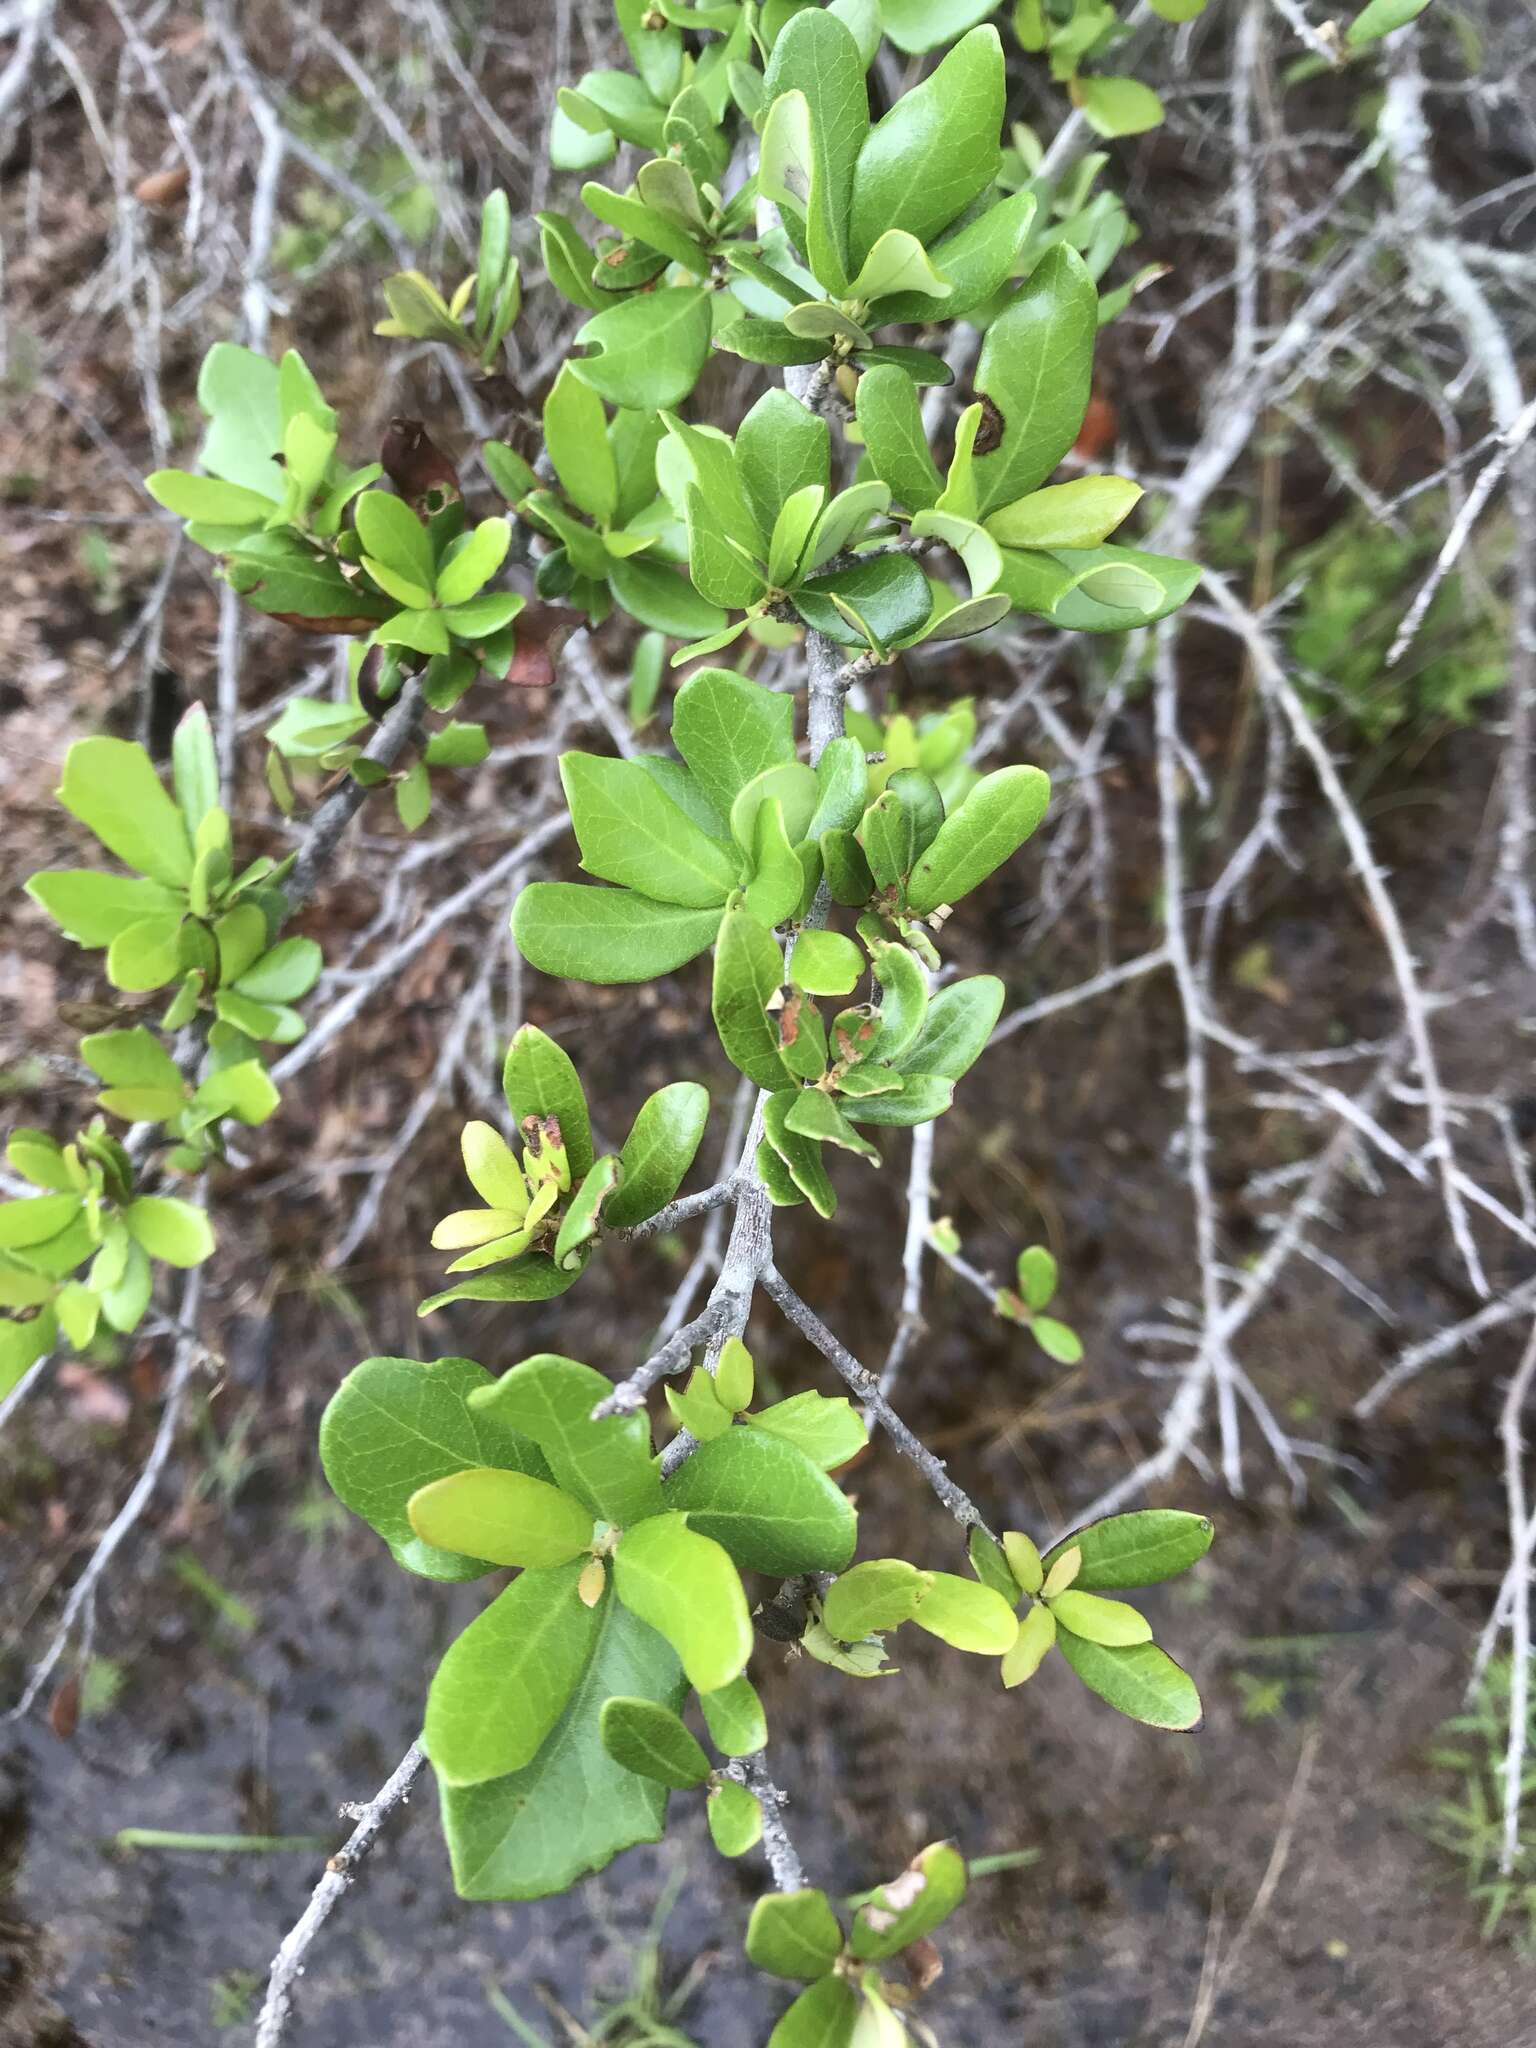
(161, 188)
(64, 1708)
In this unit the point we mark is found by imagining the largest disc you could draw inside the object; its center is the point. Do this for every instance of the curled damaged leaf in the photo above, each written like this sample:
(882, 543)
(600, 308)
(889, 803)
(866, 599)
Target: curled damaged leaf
(417, 467)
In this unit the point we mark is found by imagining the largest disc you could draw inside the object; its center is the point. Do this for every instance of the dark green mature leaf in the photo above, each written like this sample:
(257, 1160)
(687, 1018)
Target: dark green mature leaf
(730, 731)
(649, 1738)
(572, 1809)
(632, 834)
(651, 348)
(817, 55)
(111, 787)
(749, 971)
(765, 341)
(887, 594)
(533, 1278)
(781, 447)
(663, 600)
(989, 827)
(960, 1020)
(770, 1506)
(900, 825)
(935, 151)
(794, 1934)
(847, 869)
(658, 1152)
(607, 1465)
(506, 1680)
(800, 1156)
(826, 2014)
(1142, 1682)
(683, 1584)
(539, 1078)
(606, 935)
(1138, 1549)
(393, 1427)
(891, 419)
(1036, 366)
(894, 1916)
(277, 572)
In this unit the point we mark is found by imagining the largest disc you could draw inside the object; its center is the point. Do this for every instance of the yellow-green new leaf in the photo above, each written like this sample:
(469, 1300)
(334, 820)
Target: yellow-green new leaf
(505, 1517)
(967, 1615)
(685, 1587)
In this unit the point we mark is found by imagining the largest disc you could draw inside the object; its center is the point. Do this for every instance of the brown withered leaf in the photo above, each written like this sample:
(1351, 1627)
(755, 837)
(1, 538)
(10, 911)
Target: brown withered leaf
(541, 630)
(338, 623)
(64, 1708)
(417, 467)
(1100, 425)
(163, 188)
(923, 1964)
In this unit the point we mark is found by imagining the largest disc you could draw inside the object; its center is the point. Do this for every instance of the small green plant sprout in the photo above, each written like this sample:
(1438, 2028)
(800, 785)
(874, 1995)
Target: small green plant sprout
(1037, 1276)
(543, 1214)
(848, 2000)
(1068, 209)
(78, 1253)
(185, 916)
(1472, 1826)
(1106, 1642)
(937, 743)
(492, 294)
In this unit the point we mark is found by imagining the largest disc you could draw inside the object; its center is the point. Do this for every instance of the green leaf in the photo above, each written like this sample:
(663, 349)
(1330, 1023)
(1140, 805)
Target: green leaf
(1057, 1340)
(631, 833)
(770, 1505)
(39, 1159)
(720, 570)
(825, 2015)
(990, 1564)
(194, 768)
(748, 973)
(967, 1615)
(576, 438)
(23, 1344)
(978, 259)
(506, 1680)
(813, 1114)
(1036, 1275)
(989, 827)
(584, 1213)
(133, 1059)
(390, 531)
(900, 825)
(904, 1000)
(112, 788)
(730, 731)
(845, 520)
(765, 341)
(734, 1716)
(658, 1152)
(458, 745)
(468, 566)
(509, 1517)
(735, 1818)
(801, 1157)
(650, 348)
(935, 151)
(1140, 1549)
(696, 1409)
(894, 1916)
(897, 264)
(959, 1022)
(891, 419)
(791, 532)
(1035, 367)
(1141, 1682)
(284, 972)
(972, 543)
(842, 779)
(572, 1809)
(35, 1218)
(177, 1232)
(1110, 1622)
(793, 786)
(684, 1585)
(93, 909)
(649, 1739)
(1378, 18)
(847, 869)
(828, 1430)
(794, 1934)
(781, 448)
(606, 1465)
(1080, 514)
(393, 1427)
(819, 58)
(244, 1091)
(879, 1594)
(534, 1278)
(883, 597)
(917, 25)
(919, 1100)
(278, 572)
(238, 390)
(1119, 106)
(1035, 1640)
(606, 935)
(662, 599)
(825, 964)
(640, 223)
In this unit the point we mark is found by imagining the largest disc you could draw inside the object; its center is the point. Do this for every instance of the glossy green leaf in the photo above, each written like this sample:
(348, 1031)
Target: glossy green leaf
(890, 417)
(900, 825)
(168, 1228)
(606, 1465)
(842, 781)
(771, 1507)
(576, 438)
(1141, 1682)
(977, 260)
(194, 767)
(817, 56)
(684, 1585)
(393, 1427)
(734, 1716)
(781, 448)
(283, 972)
(749, 970)
(278, 572)
(1035, 368)
(955, 1031)
(1057, 1340)
(663, 600)
(874, 1596)
(935, 151)
(822, 2017)
(510, 1518)
(794, 1934)
(507, 1679)
(735, 1818)
(658, 1152)
(630, 833)
(1139, 1549)
(390, 531)
(730, 731)
(801, 1157)
(920, 1098)
(112, 788)
(1079, 514)
(648, 1738)
(881, 599)
(538, 1078)
(895, 1915)
(606, 935)
(989, 827)
(650, 348)
(535, 1278)
(572, 1809)
(967, 1615)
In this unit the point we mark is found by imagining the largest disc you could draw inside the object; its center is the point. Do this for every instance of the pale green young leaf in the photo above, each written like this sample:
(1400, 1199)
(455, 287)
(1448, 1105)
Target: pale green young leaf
(132, 1059)
(93, 908)
(918, 25)
(767, 1502)
(1057, 1340)
(645, 1737)
(1036, 1275)
(576, 438)
(734, 1716)
(695, 1408)
(894, 1916)
(967, 1615)
(990, 1564)
(828, 1430)
(1379, 18)
(1035, 1640)
(207, 498)
(825, 2015)
(606, 1465)
(879, 1594)
(238, 391)
(845, 520)
(283, 973)
(391, 532)
(170, 1229)
(1118, 106)
(825, 964)
(470, 564)
(685, 1586)
(778, 882)
(112, 788)
(194, 767)
(606, 935)
(735, 1818)
(510, 1518)
(1110, 1622)
(1079, 514)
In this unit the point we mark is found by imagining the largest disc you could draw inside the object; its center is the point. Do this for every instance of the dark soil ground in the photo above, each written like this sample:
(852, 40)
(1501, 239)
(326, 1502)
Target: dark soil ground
(1267, 1882)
